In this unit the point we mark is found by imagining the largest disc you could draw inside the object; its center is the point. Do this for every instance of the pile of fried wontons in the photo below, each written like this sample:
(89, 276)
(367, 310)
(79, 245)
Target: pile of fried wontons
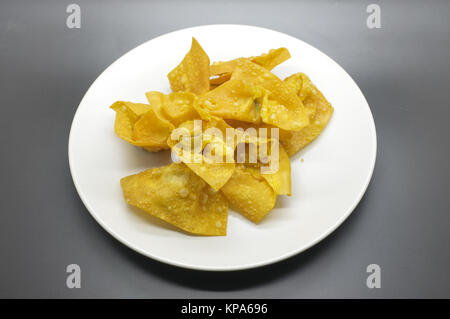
(235, 95)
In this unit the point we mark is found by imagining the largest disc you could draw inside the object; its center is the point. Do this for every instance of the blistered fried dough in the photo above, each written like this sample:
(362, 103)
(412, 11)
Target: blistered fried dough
(176, 195)
(214, 172)
(271, 59)
(235, 100)
(280, 180)
(177, 107)
(192, 74)
(319, 110)
(266, 60)
(249, 193)
(218, 80)
(276, 170)
(284, 110)
(233, 125)
(140, 125)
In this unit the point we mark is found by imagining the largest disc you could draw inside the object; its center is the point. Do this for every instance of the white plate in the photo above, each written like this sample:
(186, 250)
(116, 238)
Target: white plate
(327, 186)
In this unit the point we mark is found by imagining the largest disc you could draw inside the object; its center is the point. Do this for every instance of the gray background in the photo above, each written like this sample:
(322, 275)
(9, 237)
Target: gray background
(402, 223)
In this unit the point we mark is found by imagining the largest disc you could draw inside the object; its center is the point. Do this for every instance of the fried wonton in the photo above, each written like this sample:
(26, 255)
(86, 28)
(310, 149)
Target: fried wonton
(218, 80)
(284, 109)
(177, 107)
(231, 127)
(266, 60)
(176, 195)
(192, 74)
(280, 180)
(271, 59)
(192, 144)
(234, 100)
(271, 159)
(249, 193)
(318, 108)
(140, 125)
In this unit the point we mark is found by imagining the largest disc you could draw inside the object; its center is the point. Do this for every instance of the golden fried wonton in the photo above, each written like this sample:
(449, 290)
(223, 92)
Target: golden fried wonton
(280, 181)
(140, 125)
(176, 107)
(266, 60)
(232, 126)
(284, 110)
(318, 108)
(275, 169)
(249, 193)
(176, 195)
(214, 171)
(234, 100)
(192, 74)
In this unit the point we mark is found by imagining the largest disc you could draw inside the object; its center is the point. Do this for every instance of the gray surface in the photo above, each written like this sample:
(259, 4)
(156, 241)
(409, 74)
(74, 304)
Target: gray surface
(402, 223)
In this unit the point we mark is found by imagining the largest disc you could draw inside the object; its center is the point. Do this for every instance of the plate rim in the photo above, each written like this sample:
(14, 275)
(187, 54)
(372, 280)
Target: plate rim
(266, 262)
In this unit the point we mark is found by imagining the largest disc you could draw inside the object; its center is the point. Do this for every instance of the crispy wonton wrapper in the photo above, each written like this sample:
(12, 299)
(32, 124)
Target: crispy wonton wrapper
(241, 97)
(177, 107)
(215, 173)
(280, 181)
(192, 74)
(249, 193)
(277, 170)
(140, 125)
(176, 195)
(218, 80)
(284, 110)
(318, 108)
(267, 60)
(234, 100)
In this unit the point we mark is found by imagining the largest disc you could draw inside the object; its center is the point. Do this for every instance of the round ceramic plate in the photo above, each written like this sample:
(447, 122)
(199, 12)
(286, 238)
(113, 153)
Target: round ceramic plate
(329, 176)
